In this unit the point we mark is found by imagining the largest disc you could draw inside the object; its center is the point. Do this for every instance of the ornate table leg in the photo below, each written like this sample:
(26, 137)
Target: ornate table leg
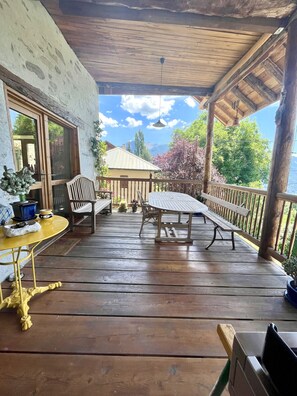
(20, 296)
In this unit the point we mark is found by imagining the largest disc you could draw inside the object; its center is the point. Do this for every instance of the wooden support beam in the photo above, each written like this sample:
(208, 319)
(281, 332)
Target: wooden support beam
(159, 16)
(251, 105)
(114, 88)
(274, 70)
(263, 48)
(285, 120)
(209, 147)
(259, 86)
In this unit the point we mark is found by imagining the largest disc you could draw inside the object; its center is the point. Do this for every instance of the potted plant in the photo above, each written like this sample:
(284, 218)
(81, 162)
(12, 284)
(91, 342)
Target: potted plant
(134, 204)
(290, 267)
(19, 183)
(123, 206)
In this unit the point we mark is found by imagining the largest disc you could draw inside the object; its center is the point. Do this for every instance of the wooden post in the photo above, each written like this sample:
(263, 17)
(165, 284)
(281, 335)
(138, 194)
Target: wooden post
(151, 182)
(209, 144)
(284, 137)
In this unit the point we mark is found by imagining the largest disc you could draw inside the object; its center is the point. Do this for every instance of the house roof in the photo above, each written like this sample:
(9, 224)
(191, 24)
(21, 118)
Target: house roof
(228, 51)
(118, 158)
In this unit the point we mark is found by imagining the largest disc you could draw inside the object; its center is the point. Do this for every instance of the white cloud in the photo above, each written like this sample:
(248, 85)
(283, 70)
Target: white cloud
(132, 123)
(172, 123)
(147, 106)
(104, 133)
(191, 102)
(107, 121)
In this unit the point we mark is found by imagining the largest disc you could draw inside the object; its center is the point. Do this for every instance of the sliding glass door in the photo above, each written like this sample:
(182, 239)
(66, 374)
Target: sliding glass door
(48, 146)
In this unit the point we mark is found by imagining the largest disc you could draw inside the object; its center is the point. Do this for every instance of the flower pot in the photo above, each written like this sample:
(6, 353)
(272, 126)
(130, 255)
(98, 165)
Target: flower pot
(24, 211)
(291, 293)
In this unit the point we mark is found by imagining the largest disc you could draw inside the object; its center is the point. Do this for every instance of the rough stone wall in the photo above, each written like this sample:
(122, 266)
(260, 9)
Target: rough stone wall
(34, 49)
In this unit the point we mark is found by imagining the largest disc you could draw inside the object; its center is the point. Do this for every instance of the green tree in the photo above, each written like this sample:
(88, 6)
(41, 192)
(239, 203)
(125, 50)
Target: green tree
(140, 148)
(24, 125)
(98, 148)
(240, 154)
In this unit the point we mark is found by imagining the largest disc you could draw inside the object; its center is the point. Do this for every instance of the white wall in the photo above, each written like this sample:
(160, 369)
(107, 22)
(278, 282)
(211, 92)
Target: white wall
(34, 50)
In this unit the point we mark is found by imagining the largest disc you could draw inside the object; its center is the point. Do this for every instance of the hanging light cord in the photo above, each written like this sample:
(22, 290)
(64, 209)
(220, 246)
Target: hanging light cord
(162, 60)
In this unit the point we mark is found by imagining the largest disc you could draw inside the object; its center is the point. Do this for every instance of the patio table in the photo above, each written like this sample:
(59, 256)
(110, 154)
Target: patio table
(20, 296)
(174, 202)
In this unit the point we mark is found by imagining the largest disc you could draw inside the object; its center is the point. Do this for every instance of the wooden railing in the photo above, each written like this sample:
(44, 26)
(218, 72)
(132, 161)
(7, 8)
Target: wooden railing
(126, 188)
(254, 200)
(251, 198)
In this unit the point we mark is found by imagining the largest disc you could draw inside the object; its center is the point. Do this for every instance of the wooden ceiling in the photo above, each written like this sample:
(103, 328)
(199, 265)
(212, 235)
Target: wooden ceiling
(229, 51)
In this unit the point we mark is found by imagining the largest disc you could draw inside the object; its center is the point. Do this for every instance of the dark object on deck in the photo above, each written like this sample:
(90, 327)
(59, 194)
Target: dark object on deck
(280, 361)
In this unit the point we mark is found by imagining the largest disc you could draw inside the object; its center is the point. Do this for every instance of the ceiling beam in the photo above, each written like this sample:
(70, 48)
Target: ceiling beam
(240, 71)
(113, 88)
(250, 24)
(274, 70)
(244, 99)
(259, 86)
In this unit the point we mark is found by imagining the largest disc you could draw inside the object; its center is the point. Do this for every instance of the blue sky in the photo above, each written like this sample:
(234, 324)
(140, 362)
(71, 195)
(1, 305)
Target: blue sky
(123, 116)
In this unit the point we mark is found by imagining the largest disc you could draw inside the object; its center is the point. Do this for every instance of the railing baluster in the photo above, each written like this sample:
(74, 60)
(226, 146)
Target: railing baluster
(279, 226)
(293, 236)
(286, 229)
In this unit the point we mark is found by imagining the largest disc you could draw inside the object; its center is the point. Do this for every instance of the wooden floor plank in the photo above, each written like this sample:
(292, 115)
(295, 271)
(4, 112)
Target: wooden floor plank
(158, 278)
(157, 265)
(155, 289)
(76, 375)
(122, 336)
(163, 305)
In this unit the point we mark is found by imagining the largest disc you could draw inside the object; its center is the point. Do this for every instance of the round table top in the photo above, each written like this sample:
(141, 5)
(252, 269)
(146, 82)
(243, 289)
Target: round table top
(49, 228)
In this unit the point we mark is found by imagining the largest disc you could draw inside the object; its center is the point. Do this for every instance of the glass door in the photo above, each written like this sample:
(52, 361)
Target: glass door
(27, 146)
(48, 146)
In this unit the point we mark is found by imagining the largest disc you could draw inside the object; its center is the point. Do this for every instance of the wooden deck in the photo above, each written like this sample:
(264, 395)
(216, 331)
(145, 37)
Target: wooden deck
(136, 318)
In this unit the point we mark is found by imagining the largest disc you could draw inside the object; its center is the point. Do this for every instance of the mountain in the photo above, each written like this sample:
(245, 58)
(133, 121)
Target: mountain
(156, 149)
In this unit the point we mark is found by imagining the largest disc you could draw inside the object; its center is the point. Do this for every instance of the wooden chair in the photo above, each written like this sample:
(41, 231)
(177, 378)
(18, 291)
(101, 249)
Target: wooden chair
(148, 212)
(84, 199)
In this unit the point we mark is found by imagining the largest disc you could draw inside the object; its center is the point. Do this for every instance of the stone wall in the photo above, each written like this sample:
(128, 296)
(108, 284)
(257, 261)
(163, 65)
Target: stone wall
(34, 50)
(35, 58)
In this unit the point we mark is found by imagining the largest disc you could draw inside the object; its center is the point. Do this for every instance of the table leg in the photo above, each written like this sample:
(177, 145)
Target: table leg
(20, 297)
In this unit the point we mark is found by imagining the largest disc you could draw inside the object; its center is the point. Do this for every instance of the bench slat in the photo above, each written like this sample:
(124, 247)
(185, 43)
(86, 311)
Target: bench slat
(235, 208)
(222, 223)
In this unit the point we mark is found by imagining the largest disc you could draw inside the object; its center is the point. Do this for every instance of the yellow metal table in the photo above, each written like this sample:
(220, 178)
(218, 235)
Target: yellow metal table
(20, 297)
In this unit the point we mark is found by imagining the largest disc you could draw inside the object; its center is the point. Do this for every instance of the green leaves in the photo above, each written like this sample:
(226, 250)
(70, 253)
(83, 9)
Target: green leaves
(240, 154)
(98, 149)
(17, 183)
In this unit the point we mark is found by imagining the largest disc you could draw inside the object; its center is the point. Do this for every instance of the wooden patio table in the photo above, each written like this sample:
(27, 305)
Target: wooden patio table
(20, 297)
(174, 202)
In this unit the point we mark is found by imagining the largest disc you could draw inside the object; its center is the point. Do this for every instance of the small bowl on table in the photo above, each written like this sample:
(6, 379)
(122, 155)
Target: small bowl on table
(45, 213)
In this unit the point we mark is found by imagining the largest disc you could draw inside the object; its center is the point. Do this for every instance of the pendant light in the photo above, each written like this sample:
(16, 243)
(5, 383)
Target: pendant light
(159, 123)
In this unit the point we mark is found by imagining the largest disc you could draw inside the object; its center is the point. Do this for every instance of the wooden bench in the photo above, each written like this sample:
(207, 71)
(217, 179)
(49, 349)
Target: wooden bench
(84, 200)
(220, 222)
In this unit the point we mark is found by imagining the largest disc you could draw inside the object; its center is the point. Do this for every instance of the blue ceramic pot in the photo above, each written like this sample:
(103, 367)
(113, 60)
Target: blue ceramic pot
(291, 293)
(24, 211)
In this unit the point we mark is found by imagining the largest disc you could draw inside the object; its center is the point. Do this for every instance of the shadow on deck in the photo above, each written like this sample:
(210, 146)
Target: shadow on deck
(136, 318)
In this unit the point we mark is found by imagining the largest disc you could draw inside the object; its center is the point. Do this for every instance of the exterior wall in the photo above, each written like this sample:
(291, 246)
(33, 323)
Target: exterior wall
(34, 53)
(128, 172)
